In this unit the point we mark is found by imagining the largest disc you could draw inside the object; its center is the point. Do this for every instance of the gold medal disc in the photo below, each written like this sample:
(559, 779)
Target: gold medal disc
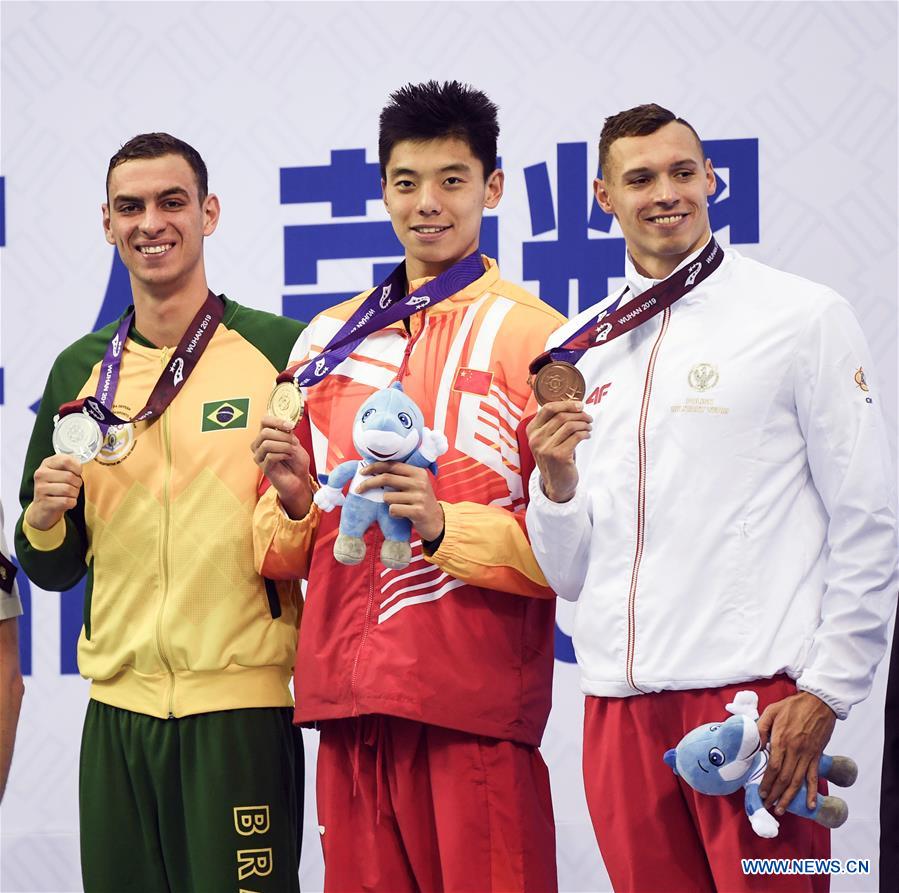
(286, 402)
(559, 381)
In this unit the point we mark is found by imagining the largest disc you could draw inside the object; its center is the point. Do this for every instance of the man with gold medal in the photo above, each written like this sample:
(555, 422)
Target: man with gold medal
(430, 686)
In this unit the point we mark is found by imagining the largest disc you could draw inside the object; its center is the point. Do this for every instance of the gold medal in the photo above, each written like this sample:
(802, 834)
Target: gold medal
(559, 381)
(286, 402)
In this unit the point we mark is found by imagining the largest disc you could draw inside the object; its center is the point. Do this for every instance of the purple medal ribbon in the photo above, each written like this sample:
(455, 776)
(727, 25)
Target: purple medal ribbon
(185, 357)
(608, 325)
(387, 304)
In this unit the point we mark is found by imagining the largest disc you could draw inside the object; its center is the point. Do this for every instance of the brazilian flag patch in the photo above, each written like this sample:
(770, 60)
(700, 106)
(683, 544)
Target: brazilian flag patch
(226, 414)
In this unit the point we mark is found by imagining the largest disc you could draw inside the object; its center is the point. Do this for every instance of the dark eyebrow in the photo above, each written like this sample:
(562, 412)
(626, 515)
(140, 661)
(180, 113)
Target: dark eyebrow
(137, 200)
(642, 171)
(636, 171)
(174, 190)
(458, 168)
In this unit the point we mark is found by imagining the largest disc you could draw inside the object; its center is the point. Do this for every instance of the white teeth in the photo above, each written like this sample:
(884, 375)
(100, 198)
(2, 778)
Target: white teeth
(430, 229)
(154, 249)
(672, 219)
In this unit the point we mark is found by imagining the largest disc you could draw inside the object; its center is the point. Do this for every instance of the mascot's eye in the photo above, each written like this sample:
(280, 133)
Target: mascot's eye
(713, 728)
(368, 414)
(405, 419)
(716, 757)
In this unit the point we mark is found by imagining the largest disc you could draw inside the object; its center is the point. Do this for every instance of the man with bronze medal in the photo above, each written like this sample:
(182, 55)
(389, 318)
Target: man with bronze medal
(718, 500)
(430, 685)
(136, 475)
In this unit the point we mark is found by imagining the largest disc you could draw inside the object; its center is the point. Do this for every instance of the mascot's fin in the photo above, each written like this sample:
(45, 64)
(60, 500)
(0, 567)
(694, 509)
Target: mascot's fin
(671, 759)
(745, 703)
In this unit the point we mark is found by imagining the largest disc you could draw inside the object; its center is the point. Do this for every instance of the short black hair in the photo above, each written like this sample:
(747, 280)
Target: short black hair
(642, 120)
(430, 111)
(155, 145)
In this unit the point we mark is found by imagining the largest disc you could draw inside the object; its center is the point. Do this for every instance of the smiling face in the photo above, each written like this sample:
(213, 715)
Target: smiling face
(435, 193)
(388, 426)
(657, 186)
(157, 222)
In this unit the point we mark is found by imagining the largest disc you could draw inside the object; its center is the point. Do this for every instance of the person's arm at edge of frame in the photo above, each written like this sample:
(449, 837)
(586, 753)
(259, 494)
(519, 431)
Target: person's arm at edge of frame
(849, 460)
(12, 689)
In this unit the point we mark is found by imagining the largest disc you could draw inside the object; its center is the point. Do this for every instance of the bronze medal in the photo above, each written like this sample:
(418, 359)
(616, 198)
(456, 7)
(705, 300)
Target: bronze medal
(286, 402)
(559, 381)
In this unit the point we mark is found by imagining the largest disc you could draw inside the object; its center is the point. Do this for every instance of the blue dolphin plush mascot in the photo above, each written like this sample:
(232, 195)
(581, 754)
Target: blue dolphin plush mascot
(388, 427)
(722, 757)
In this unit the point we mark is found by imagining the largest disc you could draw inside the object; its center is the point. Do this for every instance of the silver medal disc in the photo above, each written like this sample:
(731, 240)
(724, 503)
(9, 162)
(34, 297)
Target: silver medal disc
(77, 435)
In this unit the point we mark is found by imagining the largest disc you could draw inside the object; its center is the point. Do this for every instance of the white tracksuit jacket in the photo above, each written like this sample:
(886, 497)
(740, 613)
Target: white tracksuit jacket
(736, 511)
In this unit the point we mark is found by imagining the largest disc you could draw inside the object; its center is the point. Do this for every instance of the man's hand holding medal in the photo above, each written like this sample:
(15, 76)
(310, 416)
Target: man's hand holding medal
(280, 455)
(57, 483)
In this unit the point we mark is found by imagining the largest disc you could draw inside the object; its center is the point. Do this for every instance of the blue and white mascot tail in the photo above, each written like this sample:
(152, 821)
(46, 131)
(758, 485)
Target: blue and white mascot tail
(722, 757)
(388, 427)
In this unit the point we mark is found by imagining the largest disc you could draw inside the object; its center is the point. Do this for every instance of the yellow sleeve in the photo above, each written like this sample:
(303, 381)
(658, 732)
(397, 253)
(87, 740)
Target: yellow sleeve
(282, 547)
(487, 546)
(45, 540)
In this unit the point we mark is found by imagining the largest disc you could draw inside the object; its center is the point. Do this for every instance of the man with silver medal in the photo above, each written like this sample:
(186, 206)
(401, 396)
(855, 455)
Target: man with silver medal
(188, 649)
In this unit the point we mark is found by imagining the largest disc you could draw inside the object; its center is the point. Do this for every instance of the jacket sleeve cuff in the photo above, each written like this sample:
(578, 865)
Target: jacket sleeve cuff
(282, 546)
(539, 501)
(45, 540)
(840, 707)
(488, 546)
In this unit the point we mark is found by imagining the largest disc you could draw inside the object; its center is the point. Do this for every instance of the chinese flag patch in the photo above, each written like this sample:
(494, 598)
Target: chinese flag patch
(473, 381)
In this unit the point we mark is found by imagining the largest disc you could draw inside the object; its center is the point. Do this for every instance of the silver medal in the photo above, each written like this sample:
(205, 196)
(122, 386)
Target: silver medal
(77, 435)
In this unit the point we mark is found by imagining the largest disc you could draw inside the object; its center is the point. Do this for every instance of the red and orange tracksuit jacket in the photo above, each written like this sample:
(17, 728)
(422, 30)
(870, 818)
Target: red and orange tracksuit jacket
(462, 638)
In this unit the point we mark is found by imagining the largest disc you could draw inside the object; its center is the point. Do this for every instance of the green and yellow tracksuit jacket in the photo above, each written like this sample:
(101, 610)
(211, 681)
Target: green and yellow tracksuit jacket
(176, 619)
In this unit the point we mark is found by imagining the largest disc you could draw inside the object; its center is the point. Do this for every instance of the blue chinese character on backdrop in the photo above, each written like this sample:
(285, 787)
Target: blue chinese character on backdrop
(575, 256)
(347, 184)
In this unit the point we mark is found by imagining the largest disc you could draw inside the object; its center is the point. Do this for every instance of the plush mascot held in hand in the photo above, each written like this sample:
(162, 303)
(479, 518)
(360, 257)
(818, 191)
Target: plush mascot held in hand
(722, 757)
(388, 427)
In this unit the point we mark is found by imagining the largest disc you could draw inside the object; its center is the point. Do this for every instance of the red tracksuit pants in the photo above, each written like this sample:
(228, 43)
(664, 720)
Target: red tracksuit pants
(656, 833)
(405, 806)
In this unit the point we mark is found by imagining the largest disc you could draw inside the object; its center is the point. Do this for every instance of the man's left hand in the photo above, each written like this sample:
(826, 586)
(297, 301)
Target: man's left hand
(410, 495)
(798, 729)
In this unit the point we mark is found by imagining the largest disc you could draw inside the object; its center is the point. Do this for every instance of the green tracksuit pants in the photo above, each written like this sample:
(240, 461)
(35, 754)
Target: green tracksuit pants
(210, 803)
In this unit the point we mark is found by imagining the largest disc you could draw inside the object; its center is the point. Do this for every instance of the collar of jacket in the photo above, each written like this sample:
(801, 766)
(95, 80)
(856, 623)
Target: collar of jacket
(638, 283)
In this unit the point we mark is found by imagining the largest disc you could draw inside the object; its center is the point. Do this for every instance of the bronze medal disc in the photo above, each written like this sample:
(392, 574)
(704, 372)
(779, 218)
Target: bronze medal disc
(286, 402)
(559, 381)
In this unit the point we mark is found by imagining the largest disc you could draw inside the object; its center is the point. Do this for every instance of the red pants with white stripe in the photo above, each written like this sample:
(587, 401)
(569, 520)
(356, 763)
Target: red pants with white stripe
(409, 806)
(654, 831)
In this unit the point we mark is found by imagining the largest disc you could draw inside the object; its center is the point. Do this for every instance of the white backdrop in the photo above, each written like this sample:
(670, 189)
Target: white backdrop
(261, 87)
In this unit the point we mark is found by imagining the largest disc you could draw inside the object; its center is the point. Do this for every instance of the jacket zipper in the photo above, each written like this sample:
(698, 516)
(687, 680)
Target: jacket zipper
(371, 600)
(410, 343)
(641, 501)
(164, 552)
